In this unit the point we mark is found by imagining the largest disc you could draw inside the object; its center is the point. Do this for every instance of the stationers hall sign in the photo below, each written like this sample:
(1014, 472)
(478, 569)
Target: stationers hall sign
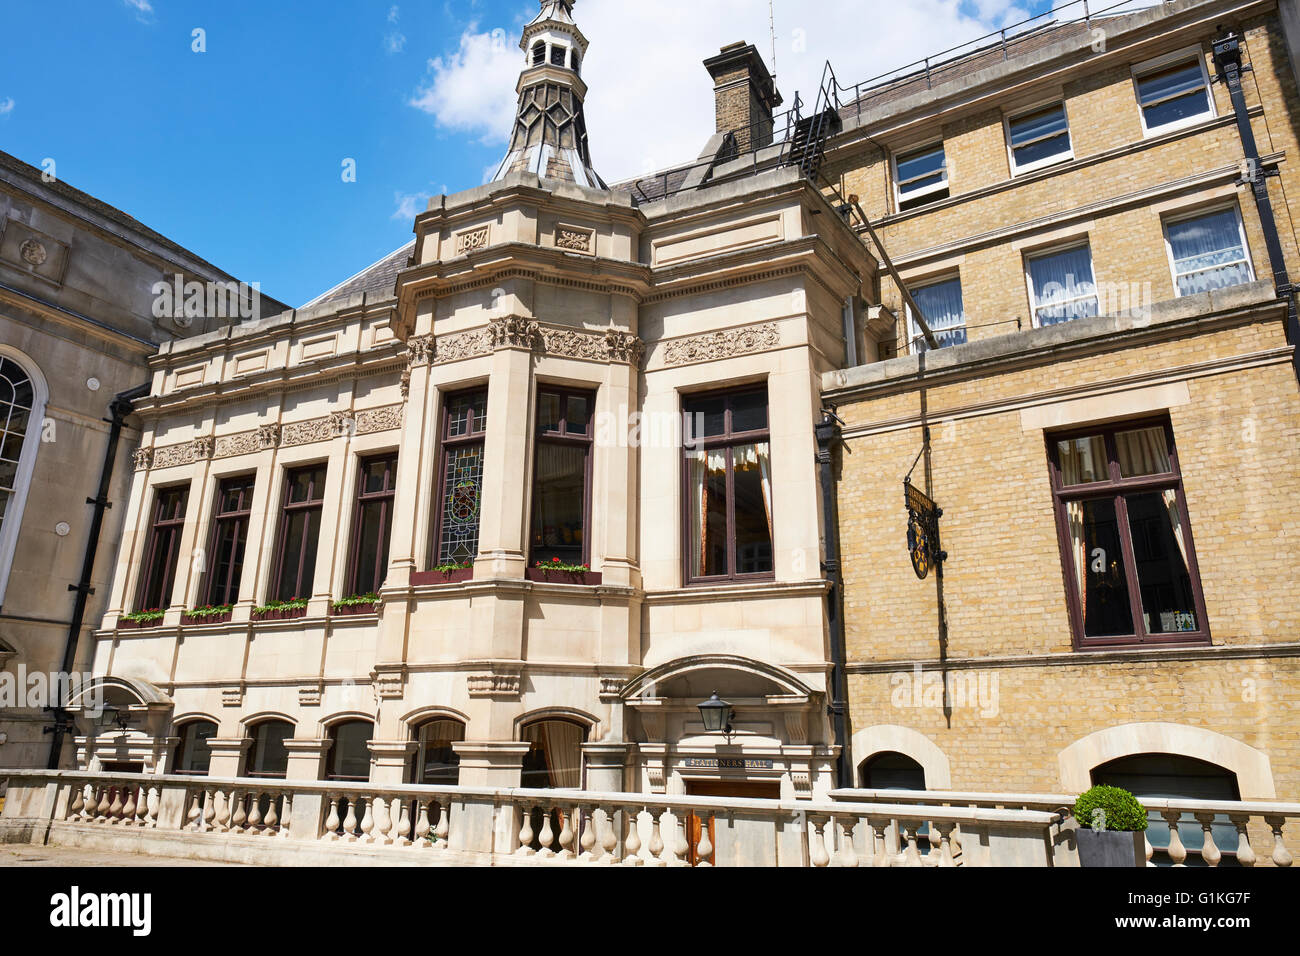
(922, 530)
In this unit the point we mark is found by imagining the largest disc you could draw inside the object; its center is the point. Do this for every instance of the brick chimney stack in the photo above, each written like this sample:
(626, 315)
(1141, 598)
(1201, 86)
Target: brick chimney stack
(745, 94)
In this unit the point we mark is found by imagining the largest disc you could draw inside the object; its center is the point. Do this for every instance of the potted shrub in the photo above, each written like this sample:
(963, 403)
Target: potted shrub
(455, 572)
(211, 614)
(556, 571)
(1112, 828)
(137, 620)
(281, 610)
(357, 604)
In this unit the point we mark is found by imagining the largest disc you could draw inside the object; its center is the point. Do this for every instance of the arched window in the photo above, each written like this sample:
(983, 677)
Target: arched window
(268, 756)
(22, 407)
(891, 771)
(192, 754)
(349, 755)
(557, 54)
(1171, 776)
(555, 759)
(434, 761)
(539, 53)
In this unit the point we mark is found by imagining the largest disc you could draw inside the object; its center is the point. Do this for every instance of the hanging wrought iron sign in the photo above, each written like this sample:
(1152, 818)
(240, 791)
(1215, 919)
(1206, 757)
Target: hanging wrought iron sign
(922, 530)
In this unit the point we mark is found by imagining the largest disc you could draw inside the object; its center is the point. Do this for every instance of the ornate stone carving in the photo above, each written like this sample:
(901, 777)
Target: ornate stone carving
(624, 347)
(463, 345)
(515, 332)
(228, 446)
(611, 688)
(379, 419)
(186, 453)
(796, 727)
(309, 695)
(308, 432)
(721, 345)
(342, 423)
(496, 686)
(570, 343)
(232, 697)
(405, 383)
(420, 349)
(469, 241)
(577, 240)
(203, 446)
(33, 253)
(802, 783)
(143, 458)
(268, 436)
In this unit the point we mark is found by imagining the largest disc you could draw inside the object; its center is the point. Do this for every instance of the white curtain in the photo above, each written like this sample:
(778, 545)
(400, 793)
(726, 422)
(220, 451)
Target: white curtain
(749, 457)
(1142, 452)
(702, 464)
(1079, 547)
(1208, 252)
(561, 741)
(1063, 286)
(1176, 522)
(1083, 460)
(941, 304)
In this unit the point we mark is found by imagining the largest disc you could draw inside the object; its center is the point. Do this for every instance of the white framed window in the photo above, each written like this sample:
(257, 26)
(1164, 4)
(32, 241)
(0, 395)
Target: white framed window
(1207, 250)
(1173, 91)
(921, 176)
(1039, 138)
(23, 395)
(940, 302)
(1061, 286)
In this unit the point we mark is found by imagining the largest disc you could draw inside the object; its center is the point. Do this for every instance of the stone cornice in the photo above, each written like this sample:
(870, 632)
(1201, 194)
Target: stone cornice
(1113, 656)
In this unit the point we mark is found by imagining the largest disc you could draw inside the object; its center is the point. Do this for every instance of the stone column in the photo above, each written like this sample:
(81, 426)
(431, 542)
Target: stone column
(307, 758)
(257, 532)
(228, 755)
(503, 544)
(606, 765)
(389, 760)
(412, 496)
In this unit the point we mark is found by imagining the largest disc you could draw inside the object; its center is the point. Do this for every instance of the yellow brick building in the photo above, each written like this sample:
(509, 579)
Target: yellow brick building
(1114, 425)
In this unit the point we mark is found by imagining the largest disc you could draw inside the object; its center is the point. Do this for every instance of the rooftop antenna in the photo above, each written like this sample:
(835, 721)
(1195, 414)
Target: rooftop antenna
(771, 23)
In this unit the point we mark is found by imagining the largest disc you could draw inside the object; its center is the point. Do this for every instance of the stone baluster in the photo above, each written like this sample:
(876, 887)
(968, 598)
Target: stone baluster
(332, 821)
(105, 804)
(142, 807)
(566, 833)
(194, 814)
(240, 816)
(704, 849)
(588, 839)
(383, 821)
(272, 821)
(681, 846)
(368, 820)
(77, 804)
(1245, 852)
(1177, 852)
(286, 809)
(1210, 852)
(609, 839)
(1281, 855)
(422, 827)
(222, 810)
(632, 846)
(209, 808)
(847, 853)
(350, 820)
(880, 855)
(402, 834)
(547, 837)
(526, 833)
(254, 811)
(912, 855)
(129, 807)
(443, 830)
(1150, 850)
(656, 844)
(114, 815)
(945, 850)
(817, 854)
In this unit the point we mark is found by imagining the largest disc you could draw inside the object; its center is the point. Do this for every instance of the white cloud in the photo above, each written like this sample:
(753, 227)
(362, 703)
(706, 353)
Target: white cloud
(143, 9)
(394, 14)
(410, 205)
(6, 106)
(395, 42)
(650, 104)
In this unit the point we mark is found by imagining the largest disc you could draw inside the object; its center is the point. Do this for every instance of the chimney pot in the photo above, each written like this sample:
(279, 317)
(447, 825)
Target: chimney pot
(745, 95)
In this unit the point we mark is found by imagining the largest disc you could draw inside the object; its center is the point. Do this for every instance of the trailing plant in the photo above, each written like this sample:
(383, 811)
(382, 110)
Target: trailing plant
(293, 604)
(357, 600)
(152, 616)
(559, 567)
(454, 566)
(1110, 808)
(211, 610)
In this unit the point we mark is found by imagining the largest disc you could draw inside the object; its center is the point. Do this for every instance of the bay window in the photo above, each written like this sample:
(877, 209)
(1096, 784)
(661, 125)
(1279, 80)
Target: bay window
(304, 500)
(562, 476)
(162, 548)
(1126, 542)
(372, 523)
(728, 479)
(229, 539)
(1208, 251)
(460, 488)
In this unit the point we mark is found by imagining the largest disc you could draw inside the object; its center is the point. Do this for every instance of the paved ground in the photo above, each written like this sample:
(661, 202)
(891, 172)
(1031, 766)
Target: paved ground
(14, 855)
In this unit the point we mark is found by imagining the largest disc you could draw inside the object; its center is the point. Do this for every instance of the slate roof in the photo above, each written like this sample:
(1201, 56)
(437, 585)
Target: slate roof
(378, 279)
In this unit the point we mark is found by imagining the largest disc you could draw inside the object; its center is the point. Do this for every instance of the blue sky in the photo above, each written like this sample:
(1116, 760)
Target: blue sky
(237, 152)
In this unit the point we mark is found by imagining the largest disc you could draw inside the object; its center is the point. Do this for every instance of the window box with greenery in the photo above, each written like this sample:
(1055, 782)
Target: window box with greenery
(454, 572)
(556, 571)
(1112, 828)
(357, 604)
(281, 610)
(210, 614)
(138, 620)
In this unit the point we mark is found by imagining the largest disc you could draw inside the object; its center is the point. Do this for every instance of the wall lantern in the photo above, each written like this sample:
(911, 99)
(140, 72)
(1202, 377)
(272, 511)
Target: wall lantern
(116, 715)
(717, 715)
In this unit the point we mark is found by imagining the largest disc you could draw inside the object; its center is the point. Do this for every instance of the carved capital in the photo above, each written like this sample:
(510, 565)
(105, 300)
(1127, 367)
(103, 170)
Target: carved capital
(268, 436)
(143, 458)
(515, 332)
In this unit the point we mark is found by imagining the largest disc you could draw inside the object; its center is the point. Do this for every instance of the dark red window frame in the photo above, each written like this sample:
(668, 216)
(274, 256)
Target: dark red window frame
(475, 435)
(728, 439)
(561, 435)
(302, 575)
(383, 497)
(1117, 488)
(158, 575)
(229, 528)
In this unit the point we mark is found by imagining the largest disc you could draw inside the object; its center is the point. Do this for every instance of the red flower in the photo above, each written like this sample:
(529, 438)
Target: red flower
(555, 560)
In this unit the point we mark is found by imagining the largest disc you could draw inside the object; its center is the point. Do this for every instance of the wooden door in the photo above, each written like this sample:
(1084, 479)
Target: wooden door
(746, 789)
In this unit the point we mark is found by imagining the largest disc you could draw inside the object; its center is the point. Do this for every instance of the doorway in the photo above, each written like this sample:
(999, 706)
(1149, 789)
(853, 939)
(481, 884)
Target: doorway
(740, 789)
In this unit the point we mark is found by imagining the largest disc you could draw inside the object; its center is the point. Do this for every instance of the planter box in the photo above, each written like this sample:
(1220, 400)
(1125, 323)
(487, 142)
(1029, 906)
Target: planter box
(353, 610)
(424, 578)
(587, 578)
(208, 619)
(1114, 848)
(137, 625)
(281, 615)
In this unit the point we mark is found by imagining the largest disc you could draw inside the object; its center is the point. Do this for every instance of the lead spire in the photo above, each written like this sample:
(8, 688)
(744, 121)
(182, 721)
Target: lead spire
(550, 131)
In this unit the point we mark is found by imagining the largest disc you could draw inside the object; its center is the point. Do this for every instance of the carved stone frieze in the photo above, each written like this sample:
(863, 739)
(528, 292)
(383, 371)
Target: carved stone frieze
(373, 420)
(143, 457)
(515, 332)
(463, 345)
(721, 345)
(268, 436)
(497, 686)
(575, 240)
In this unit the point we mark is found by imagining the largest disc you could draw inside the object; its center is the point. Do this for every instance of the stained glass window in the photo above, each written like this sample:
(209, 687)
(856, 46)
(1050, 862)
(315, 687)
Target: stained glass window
(461, 478)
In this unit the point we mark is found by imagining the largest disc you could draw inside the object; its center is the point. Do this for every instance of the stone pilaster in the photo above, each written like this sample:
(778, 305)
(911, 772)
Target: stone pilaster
(228, 755)
(307, 758)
